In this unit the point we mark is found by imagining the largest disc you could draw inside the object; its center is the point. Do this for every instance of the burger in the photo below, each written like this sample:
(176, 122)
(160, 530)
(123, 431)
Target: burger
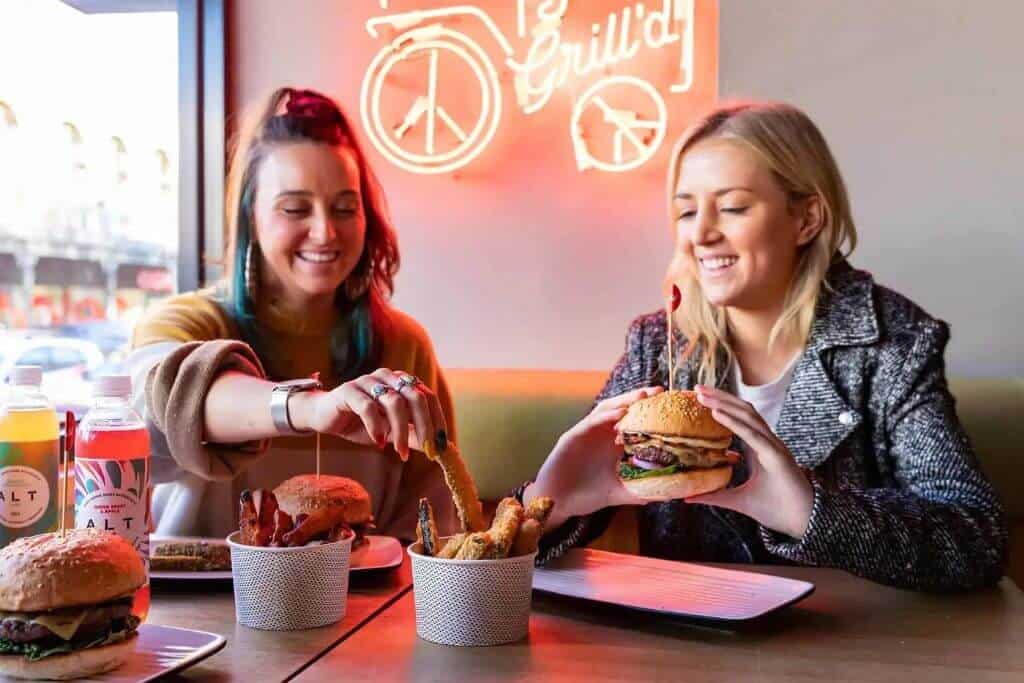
(65, 604)
(674, 448)
(328, 502)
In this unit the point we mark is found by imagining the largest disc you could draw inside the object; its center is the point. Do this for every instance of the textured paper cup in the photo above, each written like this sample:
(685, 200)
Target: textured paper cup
(471, 602)
(288, 589)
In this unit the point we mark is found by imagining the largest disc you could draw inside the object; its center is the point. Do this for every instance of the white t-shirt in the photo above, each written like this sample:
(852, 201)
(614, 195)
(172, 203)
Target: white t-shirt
(767, 398)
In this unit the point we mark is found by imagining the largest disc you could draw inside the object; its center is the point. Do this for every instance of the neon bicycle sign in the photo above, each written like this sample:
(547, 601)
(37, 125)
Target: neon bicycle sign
(549, 63)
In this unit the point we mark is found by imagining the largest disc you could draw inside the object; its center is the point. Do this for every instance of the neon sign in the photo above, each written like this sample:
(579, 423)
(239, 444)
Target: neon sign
(549, 63)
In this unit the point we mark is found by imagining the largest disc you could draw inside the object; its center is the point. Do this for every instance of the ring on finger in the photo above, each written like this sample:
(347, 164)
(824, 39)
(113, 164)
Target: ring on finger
(408, 381)
(379, 390)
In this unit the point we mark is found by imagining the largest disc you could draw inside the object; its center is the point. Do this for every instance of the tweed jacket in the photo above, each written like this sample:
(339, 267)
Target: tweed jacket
(899, 497)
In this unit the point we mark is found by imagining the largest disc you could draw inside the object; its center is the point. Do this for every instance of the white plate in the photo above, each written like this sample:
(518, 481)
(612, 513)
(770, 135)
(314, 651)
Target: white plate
(381, 552)
(163, 650)
(677, 588)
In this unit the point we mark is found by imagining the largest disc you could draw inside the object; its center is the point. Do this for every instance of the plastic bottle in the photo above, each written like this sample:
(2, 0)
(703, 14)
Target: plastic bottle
(112, 490)
(29, 458)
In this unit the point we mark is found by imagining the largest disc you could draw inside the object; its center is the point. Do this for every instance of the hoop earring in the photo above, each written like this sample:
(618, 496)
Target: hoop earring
(252, 275)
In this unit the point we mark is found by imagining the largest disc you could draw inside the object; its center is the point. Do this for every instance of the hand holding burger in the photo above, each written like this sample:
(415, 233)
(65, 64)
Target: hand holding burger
(580, 473)
(777, 494)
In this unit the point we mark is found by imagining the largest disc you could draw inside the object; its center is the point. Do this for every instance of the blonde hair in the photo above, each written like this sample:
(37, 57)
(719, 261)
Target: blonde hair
(798, 156)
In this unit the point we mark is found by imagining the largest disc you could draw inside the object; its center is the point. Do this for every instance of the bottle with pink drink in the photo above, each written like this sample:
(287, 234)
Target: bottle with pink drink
(112, 489)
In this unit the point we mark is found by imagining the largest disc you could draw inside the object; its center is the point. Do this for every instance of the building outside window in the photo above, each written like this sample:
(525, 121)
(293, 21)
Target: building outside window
(88, 185)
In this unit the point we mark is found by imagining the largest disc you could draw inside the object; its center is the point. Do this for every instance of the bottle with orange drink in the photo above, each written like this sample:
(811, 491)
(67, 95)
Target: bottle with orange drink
(29, 458)
(112, 477)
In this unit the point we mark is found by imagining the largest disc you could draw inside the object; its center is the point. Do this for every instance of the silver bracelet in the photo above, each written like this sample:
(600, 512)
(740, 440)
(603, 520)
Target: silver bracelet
(279, 396)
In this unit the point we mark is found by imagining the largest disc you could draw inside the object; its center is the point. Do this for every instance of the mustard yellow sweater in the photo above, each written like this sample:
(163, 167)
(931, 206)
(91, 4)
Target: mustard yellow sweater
(199, 483)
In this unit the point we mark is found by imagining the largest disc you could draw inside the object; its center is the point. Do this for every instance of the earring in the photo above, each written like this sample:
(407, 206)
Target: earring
(252, 275)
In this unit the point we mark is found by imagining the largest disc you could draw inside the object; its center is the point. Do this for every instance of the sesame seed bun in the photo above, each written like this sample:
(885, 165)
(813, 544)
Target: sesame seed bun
(83, 567)
(306, 493)
(673, 413)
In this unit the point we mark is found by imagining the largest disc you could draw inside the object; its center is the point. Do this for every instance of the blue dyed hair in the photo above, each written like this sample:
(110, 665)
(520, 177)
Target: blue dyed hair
(292, 116)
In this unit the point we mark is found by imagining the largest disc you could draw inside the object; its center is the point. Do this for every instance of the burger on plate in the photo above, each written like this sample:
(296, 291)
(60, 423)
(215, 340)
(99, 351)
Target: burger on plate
(65, 604)
(320, 505)
(674, 448)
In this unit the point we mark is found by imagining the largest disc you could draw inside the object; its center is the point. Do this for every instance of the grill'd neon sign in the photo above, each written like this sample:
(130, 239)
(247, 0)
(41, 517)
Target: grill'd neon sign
(548, 63)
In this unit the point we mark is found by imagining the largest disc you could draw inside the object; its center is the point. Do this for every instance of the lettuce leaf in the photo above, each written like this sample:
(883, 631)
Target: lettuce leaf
(627, 471)
(34, 652)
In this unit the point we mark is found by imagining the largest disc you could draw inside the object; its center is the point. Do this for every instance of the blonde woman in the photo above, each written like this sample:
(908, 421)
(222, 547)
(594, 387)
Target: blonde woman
(834, 385)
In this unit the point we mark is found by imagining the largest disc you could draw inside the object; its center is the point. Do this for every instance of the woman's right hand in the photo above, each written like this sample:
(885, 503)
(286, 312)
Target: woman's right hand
(351, 412)
(581, 473)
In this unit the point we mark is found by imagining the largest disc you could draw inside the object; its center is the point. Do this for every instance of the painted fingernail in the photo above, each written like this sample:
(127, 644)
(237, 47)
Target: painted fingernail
(441, 440)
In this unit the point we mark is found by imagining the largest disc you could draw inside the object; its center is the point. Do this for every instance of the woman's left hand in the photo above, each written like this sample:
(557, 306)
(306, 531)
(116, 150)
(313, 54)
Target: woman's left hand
(777, 494)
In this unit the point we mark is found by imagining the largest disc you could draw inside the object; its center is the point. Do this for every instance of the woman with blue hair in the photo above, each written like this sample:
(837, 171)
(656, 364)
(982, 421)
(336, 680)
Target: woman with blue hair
(298, 339)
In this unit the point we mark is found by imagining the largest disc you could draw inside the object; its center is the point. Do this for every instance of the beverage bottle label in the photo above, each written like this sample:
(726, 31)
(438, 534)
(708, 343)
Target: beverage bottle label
(28, 488)
(113, 495)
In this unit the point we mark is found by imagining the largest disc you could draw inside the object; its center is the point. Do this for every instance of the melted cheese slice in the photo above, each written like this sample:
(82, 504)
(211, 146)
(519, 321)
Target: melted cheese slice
(691, 441)
(64, 625)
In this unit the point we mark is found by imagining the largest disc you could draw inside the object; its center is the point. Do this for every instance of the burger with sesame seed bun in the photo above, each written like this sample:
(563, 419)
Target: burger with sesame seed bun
(674, 448)
(66, 604)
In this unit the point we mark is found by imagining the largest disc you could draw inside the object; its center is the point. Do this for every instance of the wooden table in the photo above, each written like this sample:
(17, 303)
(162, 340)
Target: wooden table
(848, 630)
(253, 655)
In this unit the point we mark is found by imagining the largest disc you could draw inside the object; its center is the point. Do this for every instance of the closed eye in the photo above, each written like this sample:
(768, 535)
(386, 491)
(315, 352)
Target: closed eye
(736, 209)
(686, 214)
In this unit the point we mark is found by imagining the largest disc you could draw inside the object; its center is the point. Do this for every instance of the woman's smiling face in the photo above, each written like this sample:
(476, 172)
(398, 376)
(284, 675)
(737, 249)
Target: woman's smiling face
(736, 227)
(310, 222)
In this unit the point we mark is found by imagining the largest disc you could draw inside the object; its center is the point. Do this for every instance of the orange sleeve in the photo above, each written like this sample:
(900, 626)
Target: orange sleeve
(194, 316)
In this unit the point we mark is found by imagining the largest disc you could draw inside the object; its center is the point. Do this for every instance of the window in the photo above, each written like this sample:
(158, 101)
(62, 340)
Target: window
(89, 137)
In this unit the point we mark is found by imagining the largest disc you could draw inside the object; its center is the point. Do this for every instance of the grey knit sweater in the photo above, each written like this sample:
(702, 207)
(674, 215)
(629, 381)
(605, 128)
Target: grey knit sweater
(899, 497)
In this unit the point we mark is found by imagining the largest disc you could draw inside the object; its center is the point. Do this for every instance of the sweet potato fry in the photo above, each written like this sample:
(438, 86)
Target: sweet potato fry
(478, 546)
(504, 503)
(506, 523)
(282, 524)
(451, 548)
(315, 524)
(426, 530)
(540, 509)
(256, 517)
(527, 538)
(460, 483)
(248, 519)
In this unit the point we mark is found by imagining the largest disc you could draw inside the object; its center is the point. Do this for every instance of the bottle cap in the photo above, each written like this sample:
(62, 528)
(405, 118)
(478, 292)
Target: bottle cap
(113, 385)
(27, 375)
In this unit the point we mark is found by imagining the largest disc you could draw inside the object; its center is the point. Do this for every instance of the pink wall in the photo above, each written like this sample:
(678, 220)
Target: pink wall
(518, 260)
